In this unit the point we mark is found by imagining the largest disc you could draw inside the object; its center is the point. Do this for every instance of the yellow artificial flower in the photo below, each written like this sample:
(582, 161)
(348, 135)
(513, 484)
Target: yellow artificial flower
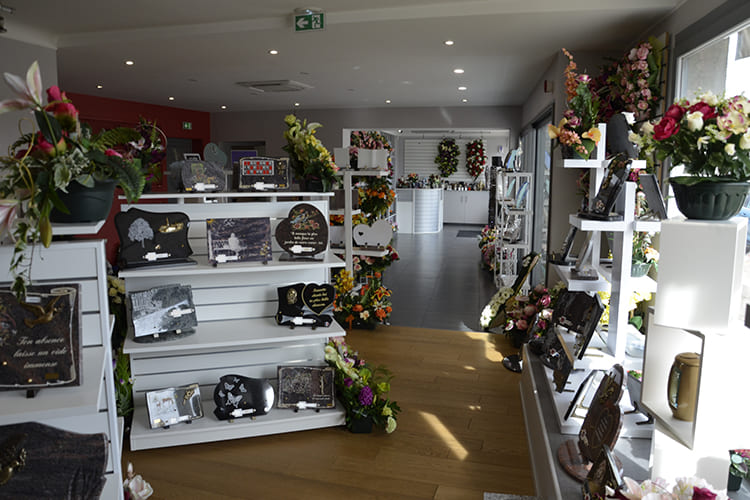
(593, 133)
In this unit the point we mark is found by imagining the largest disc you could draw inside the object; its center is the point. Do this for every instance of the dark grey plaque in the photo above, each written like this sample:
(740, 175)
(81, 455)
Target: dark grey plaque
(312, 386)
(239, 240)
(40, 339)
(304, 233)
(202, 176)
(162, 309)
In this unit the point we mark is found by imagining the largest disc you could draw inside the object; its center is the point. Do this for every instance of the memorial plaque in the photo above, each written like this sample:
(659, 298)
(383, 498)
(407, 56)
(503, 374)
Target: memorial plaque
(304, 233)
(238, 396)
(376, 235)
(306, 304)
(604, 472)
(40, 339)
(215, 155)
(591, 318)
(562, 257)
(263, 174)
(174, 405)
(202, 176)
(612, 184)
(306, 387)
(150, 238)
(239, 240)
(162, 309)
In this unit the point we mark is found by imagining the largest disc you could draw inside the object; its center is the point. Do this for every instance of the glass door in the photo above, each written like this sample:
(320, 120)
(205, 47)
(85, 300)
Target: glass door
(538, 159)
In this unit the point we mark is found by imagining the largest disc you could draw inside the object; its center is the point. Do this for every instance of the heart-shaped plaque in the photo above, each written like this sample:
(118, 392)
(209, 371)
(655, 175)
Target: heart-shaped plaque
(318, 298)
(378, 235)
(304, 232)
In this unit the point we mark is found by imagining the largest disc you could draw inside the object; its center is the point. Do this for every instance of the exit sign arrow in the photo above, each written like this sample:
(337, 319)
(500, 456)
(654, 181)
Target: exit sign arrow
(309, 22)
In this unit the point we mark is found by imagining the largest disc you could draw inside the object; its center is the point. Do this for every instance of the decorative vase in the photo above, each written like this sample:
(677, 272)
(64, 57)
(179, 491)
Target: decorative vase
(360, 425)
(708, 200)
(638, 269)
(734, 483)
(86, 204)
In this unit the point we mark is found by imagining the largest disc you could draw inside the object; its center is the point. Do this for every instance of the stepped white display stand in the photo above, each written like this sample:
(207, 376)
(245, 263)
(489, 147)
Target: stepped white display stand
(514, 197)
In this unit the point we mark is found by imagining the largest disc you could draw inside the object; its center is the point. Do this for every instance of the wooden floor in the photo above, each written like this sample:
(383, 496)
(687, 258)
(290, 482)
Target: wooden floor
(460, 434)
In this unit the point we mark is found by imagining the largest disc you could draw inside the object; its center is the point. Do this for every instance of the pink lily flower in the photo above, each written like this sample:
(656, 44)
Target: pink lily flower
(29, 92)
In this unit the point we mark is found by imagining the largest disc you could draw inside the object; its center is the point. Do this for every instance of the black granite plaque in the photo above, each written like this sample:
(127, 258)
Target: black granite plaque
(304, 233)
(604, 472)
(303, 387)
(202, 176)
(612, 184)
(654, 198)
(40, 339)
(158, 310)
(237, 396)
(563, 256)
(305, 304)
(263, 174)
(150, 238)
(239, 240)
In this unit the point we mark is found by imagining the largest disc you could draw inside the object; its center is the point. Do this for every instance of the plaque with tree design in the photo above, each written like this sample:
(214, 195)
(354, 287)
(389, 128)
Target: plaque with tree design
(302, 387)
(40, 339)
(150, 238)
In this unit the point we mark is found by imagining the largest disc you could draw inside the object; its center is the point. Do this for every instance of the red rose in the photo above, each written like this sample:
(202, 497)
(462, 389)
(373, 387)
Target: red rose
(708, 111)
(703, 494)
(112, 152)
(54, 94)
(666, 128)
(675, 111)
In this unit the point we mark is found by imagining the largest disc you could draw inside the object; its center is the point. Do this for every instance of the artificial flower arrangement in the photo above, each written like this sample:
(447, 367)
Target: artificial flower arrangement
(447, 157)
(310, 160)
(476, 158)
(362, 305)
(150, 149)
(739, 463)
(369, 139)
(367, 265)
(684, 488)
(632, 83)
(527, 313)
(578, 128)
(709, 136)
(643, 249)
(411, 181)
(487, 246)
(44, 162)
(375, 198)
(360, 387)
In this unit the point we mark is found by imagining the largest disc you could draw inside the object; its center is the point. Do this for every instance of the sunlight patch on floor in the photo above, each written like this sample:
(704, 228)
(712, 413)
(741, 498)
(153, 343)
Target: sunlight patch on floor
(490, 349)
(447, 436)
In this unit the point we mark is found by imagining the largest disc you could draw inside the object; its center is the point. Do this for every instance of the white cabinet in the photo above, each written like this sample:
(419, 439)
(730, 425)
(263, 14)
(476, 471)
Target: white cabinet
(236, 333)
(89, 407)
(687, 289)
(466, 207)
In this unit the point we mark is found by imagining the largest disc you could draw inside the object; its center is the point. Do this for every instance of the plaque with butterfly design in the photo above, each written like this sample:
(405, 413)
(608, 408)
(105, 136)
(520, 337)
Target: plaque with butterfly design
(40, 339)
(238, 396)
(174, 405)
(311, 385)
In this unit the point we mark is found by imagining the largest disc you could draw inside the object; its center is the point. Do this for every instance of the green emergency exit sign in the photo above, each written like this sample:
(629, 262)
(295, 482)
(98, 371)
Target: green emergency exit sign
(309, 22)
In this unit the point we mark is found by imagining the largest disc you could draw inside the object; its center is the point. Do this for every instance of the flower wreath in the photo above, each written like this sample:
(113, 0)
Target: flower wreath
(447, 157)
(476, 158)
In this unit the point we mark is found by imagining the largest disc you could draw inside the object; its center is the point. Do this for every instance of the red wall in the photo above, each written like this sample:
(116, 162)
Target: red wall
(101, 112)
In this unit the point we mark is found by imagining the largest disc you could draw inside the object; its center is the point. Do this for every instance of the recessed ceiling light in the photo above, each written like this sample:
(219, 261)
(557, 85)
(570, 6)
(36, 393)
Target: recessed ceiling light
(100, 86)
(458, 71)
(462, 87)
(387, 101)
(223, 106)
(296, 104)
(448, 42)
(464, 100)
(273, 52)
(129, 62)
(171, 98)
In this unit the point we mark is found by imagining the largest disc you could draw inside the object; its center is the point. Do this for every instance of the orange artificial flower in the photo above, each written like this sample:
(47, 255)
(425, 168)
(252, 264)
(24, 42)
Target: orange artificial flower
(357, 308)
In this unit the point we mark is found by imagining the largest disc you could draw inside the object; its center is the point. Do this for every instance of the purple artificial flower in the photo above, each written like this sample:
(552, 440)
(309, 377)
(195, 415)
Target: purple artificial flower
(365, 396)
(348, 382)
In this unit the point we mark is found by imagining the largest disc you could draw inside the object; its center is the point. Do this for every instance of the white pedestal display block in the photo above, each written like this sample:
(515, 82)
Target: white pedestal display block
(700, 278)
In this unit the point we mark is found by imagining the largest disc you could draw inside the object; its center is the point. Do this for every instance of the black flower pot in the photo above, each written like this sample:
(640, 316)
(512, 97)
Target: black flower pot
(708, 200)
(86, 204)
(734, 483)
(360, 425)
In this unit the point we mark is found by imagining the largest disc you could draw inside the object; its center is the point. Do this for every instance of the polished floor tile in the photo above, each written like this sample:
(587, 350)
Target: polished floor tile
(438, 281)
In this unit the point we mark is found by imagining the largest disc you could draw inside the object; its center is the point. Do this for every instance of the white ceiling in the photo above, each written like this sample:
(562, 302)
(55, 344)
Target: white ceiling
(368, 52)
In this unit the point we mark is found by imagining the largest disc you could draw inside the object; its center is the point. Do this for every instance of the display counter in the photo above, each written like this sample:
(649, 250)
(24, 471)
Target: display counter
(419, 210)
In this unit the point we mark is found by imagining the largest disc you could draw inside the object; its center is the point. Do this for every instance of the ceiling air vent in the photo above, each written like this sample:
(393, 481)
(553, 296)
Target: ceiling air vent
(274, 86)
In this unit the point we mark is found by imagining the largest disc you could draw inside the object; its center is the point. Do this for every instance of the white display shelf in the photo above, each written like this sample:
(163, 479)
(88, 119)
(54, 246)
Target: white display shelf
(597, 225)
(232, 194)
(362, 173)
(342, 211)
(58, 402)
(597, 285)
(70, 229)
(234, 333)
(209, 428)
(204, 268)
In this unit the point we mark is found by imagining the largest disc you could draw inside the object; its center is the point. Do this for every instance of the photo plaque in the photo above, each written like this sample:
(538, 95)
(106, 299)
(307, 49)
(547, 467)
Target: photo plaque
(166, 311)
(40, 339)
(304, 233)
(239, 240)
(173, 405)
(306, 387)
(150, 238)
(238, 396)
(609, 190)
